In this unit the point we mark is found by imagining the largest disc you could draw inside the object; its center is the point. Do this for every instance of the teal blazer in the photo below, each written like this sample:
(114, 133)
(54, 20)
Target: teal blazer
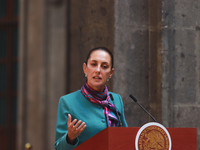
(82, 109)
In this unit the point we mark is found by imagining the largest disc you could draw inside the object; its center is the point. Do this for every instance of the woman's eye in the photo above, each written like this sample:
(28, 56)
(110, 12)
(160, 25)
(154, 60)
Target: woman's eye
(93, 64)
(105, 66)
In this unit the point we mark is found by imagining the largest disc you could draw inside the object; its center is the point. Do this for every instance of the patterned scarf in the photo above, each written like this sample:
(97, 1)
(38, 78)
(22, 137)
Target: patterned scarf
(102, 98)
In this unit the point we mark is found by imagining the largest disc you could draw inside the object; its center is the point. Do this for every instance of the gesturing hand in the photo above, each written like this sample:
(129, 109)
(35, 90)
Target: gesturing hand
(74, 129)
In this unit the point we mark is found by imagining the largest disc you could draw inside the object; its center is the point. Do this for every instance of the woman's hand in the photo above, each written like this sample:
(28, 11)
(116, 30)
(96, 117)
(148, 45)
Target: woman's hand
(74, 129)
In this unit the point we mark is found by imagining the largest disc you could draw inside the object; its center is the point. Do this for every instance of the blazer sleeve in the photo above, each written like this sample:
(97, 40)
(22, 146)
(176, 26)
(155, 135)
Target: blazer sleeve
(123, 120)
(61, 126)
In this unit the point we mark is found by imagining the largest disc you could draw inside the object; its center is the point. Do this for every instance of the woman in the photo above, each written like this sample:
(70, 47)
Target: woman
(84, 113)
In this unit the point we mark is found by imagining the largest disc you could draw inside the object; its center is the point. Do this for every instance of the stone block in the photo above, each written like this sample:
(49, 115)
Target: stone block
(188, 116)
(187, 13)
(185, 64)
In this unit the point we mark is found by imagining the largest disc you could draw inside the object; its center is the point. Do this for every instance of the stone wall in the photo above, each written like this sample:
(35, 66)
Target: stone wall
(181, 64)
(157, 51)
(131, 53)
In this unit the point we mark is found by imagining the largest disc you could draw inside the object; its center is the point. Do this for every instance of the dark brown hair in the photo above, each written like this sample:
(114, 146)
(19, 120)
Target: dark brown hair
(104, 49)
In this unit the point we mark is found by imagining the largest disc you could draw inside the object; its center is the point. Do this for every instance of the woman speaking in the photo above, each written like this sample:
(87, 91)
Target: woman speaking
(87, 111)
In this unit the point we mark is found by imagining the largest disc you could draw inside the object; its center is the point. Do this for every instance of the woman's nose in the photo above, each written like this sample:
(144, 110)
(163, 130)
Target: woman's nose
(98, 68)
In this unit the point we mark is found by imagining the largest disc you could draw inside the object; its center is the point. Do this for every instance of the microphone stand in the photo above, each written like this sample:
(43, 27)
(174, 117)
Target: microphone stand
(135, 100)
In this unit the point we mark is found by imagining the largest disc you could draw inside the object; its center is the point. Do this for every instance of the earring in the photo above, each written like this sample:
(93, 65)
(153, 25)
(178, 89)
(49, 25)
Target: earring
(108, 79)
(86, 75)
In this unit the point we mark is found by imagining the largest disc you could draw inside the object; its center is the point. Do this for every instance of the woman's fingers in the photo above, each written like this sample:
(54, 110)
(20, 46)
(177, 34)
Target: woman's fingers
(73, 122)
(77, 124)
(69, 123)
(69, 119)
(75, 128)
(81, 127)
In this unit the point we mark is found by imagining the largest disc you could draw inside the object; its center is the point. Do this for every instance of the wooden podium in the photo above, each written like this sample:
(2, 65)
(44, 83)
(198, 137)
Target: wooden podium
(123, 138)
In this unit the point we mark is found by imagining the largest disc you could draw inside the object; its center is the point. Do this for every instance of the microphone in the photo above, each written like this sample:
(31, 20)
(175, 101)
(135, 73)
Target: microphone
(135, 100)
(120, 123)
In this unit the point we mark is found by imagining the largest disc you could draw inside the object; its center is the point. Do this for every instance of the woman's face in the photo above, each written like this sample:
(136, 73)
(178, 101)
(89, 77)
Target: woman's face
(98, 69)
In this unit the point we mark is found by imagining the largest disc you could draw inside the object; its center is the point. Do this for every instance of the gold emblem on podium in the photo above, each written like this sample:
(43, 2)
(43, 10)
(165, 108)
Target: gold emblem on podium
(153, 136)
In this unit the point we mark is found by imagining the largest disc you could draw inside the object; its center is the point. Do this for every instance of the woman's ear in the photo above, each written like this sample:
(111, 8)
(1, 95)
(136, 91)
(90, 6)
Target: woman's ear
(111, 73)
(84, 68)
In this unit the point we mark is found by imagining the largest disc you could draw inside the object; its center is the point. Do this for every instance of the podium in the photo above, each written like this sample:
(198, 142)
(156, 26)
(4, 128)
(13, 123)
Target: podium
(123, 138)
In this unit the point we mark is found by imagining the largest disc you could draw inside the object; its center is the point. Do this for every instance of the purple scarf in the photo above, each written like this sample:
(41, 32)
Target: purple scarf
(102, 98)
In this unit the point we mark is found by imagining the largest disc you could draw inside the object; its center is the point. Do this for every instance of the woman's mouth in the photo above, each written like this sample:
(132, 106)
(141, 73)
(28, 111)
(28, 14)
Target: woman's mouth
(96, 77)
